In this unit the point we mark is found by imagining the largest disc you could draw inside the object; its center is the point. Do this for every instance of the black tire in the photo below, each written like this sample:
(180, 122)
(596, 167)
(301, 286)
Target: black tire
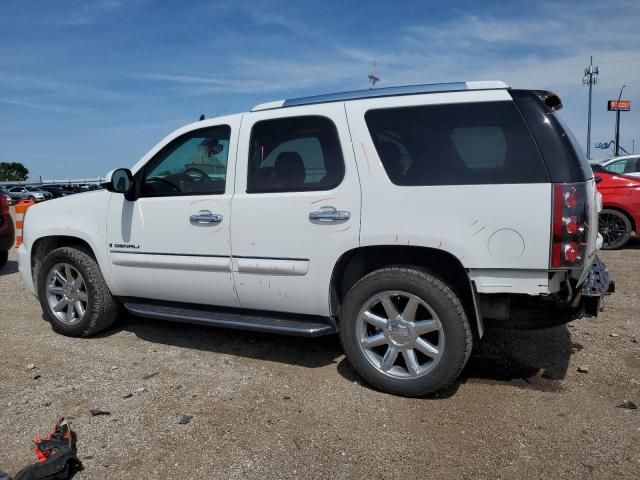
(4, 258)
(102, 309)
(32, 198)
(445, 303)
(615, 228)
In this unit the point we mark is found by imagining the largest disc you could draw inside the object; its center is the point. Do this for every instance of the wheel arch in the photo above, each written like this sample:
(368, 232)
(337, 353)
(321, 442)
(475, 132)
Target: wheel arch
(623, 211)
(356, 263)
(43, 245)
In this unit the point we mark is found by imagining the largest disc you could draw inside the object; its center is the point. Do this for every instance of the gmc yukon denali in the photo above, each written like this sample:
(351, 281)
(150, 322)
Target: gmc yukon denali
(402, 218)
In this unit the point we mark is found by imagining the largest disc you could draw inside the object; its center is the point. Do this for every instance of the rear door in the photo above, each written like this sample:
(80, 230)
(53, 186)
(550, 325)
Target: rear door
(296, 209)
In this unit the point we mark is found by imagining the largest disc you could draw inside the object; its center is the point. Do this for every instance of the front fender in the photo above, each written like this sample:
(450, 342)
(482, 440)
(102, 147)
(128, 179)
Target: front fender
(82, 216)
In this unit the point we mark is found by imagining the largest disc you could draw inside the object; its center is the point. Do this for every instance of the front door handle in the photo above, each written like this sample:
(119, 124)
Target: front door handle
(329, 214)
(205, 216)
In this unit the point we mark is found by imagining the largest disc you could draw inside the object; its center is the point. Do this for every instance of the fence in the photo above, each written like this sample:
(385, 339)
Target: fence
(66, 181)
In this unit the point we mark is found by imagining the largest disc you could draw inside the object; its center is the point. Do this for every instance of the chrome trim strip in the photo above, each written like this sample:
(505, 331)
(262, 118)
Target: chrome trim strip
(208, 256)
(175, 262)
(263, 266)
(169, 254)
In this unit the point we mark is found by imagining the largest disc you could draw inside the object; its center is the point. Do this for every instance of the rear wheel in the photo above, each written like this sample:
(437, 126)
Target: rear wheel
(74, 296)
(405, 331)
(615, 228)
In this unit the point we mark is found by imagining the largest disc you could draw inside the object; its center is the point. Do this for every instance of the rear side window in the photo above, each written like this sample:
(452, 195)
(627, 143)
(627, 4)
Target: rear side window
(562, 154)
(294, 154)
(456, 144)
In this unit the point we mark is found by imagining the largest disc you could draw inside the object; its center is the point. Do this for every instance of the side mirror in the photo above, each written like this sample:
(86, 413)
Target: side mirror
(597, 179)
(121, 181)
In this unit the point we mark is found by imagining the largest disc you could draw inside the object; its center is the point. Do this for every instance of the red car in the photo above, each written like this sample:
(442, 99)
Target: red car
(7, 232)
(620, 215)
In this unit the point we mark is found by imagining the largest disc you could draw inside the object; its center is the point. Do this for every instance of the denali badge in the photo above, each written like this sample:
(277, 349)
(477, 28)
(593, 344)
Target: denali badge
(123, 245)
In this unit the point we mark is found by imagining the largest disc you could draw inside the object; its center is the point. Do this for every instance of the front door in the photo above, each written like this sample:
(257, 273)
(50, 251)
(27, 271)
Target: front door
(172, 243)
(296, 207)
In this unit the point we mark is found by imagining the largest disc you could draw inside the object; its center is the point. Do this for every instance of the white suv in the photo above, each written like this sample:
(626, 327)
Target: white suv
(401, 217)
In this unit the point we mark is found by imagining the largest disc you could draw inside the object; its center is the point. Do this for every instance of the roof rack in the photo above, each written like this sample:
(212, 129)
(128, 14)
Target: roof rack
(383, 92)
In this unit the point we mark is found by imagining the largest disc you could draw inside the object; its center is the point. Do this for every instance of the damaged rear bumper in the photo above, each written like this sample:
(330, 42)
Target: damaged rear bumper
(596, 285)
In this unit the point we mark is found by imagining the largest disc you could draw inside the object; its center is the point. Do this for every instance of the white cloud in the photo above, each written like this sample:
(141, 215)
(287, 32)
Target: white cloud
(88, 12)
(49, 107)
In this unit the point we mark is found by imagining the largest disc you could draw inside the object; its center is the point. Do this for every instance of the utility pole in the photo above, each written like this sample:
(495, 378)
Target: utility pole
(590, 78)
(618, 123)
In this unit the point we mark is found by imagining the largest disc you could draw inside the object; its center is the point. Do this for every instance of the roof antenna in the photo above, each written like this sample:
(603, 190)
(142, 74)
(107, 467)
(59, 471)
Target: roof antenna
(372, 76)
(201, 117)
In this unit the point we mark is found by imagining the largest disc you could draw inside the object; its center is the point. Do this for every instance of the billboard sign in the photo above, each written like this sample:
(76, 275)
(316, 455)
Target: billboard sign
(621, 105)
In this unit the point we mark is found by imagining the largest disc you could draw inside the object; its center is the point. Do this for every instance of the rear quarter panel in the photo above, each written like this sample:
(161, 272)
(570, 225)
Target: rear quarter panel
(502, 226)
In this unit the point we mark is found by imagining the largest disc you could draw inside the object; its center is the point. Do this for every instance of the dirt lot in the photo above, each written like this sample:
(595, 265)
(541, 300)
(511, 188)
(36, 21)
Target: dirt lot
(268, 406)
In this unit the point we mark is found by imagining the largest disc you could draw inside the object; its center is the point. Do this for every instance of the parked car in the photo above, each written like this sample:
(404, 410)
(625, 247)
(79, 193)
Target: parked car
(55, 190)
(400, 217)
(67, 189)
(627, 165)
(620, 216)
(7, 231)
(4, 193)
(29, 193)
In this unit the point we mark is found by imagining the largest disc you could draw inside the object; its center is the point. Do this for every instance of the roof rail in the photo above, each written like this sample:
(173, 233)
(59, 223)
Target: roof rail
(383, 92)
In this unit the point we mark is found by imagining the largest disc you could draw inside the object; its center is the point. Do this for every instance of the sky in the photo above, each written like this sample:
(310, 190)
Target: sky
(90, 85)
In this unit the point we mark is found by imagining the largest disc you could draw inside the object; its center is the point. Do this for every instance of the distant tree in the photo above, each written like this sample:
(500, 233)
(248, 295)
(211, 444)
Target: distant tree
(13, 172)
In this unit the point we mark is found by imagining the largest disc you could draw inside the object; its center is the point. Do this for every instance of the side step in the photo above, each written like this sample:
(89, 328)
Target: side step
(242, 320)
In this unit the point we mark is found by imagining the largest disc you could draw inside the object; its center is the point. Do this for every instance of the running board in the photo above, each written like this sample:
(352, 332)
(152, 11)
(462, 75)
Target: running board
(259, 322)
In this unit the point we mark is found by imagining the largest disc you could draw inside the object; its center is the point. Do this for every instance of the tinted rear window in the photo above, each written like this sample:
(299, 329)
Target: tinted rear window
(563, 155)
(294, 154)
(456, 144)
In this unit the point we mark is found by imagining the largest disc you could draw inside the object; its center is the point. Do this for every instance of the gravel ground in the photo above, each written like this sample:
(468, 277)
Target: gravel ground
(267, 406)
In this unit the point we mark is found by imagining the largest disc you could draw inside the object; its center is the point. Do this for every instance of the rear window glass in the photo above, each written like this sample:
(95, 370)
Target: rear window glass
(456, 144)
(294, 154)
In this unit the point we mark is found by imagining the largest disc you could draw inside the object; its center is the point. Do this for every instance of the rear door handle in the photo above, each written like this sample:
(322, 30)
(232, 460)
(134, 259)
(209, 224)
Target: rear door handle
(205, 216)
(329, 214)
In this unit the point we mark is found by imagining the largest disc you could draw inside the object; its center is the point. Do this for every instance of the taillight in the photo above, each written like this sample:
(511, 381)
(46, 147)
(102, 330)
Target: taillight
(570, 225)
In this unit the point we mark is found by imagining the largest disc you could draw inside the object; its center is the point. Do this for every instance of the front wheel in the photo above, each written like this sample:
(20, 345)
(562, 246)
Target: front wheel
(615, 228)
(73, 294)
(405, 331)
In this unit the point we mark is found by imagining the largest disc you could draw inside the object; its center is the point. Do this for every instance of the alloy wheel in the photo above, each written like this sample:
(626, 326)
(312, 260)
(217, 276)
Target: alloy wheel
(612, 228)
(67, 293)
(400, 334)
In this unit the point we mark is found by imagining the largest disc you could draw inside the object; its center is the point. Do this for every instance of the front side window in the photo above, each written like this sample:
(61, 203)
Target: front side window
(628, 165)
(456, 144)
(294, 154)
(616, 167)
(195, 163)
